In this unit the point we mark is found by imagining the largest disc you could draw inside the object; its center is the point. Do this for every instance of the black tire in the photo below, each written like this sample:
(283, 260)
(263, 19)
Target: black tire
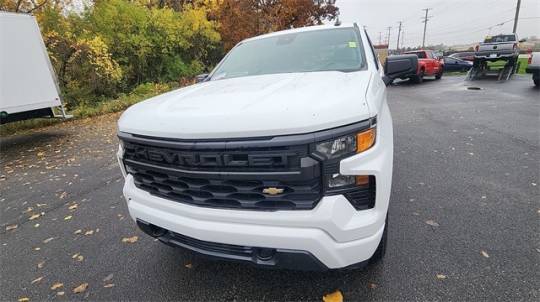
(418, 79)
(536, 82)
(381, 249)
(439, 75)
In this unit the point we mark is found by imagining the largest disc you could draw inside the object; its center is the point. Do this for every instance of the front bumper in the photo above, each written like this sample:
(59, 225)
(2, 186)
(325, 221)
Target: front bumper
(334, 233)
(534, 69)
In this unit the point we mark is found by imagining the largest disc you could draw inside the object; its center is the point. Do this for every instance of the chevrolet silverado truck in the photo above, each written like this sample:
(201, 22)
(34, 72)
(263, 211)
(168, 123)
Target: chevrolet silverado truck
(498, 47)
(429, 64)
(533, 67)
(280, 157)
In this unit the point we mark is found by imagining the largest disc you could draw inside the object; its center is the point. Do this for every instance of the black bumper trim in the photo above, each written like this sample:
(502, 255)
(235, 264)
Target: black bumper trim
(533, 69)
(277, 259)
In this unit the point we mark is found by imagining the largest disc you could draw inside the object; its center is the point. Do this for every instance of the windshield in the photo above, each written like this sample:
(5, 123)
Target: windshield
(319, 50)
(500, 38)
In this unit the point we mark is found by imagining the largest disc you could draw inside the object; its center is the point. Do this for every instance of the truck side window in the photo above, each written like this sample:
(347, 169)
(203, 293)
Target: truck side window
(375, 57)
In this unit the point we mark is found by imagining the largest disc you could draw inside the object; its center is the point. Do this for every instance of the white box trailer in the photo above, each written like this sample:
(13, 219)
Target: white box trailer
(28, 84)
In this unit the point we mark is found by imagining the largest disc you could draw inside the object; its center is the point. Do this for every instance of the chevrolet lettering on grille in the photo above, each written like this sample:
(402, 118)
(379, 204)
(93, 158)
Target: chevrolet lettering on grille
(206, 159)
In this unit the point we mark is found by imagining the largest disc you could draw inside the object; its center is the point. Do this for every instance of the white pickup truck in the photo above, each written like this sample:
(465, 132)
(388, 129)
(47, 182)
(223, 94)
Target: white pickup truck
(498, 47)
(534, 67)
(281, 157)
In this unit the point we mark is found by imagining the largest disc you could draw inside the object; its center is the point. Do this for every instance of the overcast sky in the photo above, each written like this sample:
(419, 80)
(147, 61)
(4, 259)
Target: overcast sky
(452, 21)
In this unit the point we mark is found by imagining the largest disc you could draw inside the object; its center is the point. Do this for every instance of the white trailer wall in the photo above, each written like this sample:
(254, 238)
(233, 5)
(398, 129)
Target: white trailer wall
(27, 81)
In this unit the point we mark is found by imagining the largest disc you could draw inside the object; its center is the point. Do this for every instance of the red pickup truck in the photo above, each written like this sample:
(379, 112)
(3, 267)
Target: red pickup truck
(428, 65)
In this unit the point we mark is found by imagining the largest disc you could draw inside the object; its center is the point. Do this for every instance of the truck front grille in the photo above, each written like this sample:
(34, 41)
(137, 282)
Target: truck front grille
(250, 175)
(224, 193)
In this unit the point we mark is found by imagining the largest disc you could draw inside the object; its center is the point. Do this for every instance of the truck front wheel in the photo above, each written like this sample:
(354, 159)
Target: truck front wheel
(439, 75)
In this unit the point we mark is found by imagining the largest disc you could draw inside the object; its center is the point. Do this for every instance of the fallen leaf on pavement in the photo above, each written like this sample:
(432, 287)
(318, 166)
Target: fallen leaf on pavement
(441, 276)
(87, 233)
(36, 280)
(189, 265)
(77, 232)
(432, 223)
(81, 288)
(108, 278)
(109, 285)
(63, 195)
(48, 240)
(484, 253)
(372, 285)
(11, 227)
(41, 264)
(23, 299)
(34, 216)
(68, 217)
(130, 239)
(73, 207)
(60, 293)
(36, 225)
(333, 297)
(57, 285)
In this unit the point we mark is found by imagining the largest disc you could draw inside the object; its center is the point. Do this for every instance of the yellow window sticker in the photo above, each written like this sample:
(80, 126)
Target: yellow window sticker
(352, 44)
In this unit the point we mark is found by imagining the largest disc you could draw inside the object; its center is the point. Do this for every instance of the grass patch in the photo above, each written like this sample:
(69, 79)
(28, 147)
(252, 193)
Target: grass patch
(141, 93)
(523, 62)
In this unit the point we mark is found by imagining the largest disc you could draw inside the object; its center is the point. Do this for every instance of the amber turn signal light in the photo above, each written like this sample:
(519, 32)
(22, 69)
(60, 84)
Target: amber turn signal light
(362, 180)
(366, 139)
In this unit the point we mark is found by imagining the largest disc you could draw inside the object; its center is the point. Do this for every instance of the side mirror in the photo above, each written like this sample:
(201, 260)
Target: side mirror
(400, 66)
(522, 40)
(201, 78)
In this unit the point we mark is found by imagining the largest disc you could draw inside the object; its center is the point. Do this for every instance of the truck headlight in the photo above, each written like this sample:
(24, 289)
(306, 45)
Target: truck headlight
(347, 145)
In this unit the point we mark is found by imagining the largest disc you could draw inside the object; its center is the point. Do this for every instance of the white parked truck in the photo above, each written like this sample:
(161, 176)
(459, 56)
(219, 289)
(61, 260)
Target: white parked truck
(28, 86)
(281, 157)
(533, 67)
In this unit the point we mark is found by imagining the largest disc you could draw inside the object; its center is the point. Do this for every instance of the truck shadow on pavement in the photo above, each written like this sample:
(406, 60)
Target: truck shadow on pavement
(237, 281)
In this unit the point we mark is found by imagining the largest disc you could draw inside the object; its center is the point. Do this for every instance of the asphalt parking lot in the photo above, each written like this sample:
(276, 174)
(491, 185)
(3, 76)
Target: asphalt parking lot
(464, 214)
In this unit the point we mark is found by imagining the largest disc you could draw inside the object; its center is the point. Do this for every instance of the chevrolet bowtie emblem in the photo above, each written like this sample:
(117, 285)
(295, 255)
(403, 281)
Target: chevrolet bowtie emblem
(273, 191)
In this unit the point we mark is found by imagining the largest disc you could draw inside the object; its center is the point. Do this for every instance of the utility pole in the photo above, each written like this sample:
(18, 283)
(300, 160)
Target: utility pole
(398, 35)
(388, 37)
(402, 38)
(426, 18)
(517, 16)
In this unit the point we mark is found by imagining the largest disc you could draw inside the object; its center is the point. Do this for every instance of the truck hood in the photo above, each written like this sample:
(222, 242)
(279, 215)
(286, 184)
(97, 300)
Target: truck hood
(253, 106)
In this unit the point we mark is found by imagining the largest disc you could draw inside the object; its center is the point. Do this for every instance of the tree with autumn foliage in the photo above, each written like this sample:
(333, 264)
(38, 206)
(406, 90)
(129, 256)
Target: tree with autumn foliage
(241, 19)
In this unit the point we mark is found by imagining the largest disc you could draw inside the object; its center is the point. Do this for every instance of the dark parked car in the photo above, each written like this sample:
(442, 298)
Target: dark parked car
(453, 64)
(467, 56)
